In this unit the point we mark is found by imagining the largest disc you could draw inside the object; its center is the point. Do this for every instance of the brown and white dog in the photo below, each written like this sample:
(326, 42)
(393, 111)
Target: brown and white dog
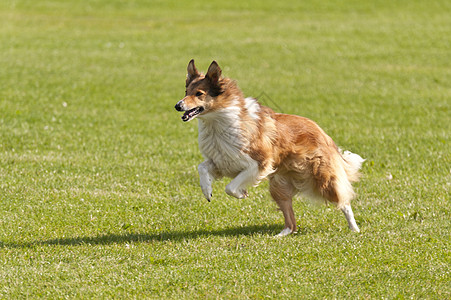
(248, 142)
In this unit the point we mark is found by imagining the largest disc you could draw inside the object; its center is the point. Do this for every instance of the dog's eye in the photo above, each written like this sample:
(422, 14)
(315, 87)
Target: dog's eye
(198, 94)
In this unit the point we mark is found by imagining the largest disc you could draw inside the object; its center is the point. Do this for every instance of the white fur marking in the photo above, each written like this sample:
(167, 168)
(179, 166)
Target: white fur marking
(252, 107)
(205, 180)
(354, 159)
(347, 210)
(237, 187)
(221, 141)
(286, 231)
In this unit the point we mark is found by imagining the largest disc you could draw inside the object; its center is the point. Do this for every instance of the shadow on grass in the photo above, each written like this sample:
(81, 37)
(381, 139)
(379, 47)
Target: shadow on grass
(107, 239)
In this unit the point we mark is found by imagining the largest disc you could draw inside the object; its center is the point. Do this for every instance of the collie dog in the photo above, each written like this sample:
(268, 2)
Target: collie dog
(246, 141)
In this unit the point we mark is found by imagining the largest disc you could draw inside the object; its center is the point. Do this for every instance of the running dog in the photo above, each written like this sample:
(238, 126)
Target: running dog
(244, 140)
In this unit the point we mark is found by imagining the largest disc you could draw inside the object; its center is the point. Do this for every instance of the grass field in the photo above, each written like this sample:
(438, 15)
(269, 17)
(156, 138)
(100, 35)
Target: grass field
(99, 194)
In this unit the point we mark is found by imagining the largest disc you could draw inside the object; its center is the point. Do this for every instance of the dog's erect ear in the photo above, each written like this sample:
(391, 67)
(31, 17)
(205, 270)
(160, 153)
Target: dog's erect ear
(214, 72)
(192, 72)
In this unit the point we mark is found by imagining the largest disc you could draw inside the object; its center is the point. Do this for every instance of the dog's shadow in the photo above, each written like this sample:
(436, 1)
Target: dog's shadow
(127, 238)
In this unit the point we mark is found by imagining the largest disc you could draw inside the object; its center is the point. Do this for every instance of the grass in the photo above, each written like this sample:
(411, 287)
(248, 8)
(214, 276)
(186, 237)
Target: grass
(99, 194)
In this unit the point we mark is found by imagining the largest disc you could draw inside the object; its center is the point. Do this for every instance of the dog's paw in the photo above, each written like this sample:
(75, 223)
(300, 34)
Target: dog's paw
(286, 231)
(206, 187)
(206, 180)
(207, 190)
(238, 193)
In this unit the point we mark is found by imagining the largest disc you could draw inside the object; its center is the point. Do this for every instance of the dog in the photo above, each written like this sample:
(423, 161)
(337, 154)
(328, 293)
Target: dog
(248, 142)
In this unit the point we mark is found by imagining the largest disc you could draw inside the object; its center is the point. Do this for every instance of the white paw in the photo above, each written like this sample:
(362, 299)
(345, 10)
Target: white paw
(237, 193)
(354, 228)
(207, 190)
(286, 231)
(205, 181)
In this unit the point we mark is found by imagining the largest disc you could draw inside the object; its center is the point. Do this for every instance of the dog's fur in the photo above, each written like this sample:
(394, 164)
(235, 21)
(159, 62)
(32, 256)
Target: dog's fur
(248, 142)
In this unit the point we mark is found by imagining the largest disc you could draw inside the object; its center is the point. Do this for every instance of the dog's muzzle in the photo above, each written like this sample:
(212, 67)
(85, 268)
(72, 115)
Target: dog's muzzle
(179, 106)
(189, 113)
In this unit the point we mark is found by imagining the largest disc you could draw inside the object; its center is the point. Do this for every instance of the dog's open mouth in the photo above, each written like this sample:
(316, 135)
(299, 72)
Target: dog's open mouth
(190, 114)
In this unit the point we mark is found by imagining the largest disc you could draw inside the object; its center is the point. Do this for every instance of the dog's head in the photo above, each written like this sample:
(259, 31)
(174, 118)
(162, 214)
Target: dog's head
(201, 91)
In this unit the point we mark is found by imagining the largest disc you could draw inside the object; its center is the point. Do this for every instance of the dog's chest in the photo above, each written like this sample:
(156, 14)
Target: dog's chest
(224, 146)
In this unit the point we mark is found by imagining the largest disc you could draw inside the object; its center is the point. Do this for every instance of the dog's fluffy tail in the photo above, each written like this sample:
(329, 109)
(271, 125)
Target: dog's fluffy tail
(353, 163)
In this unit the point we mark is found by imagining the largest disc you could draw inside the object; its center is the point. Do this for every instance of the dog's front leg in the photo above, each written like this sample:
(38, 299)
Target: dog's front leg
(237, 187)
(206, 170)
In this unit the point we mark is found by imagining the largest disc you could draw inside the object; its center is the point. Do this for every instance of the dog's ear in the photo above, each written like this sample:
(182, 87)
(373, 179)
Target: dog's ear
(192, 72)
(214, 73)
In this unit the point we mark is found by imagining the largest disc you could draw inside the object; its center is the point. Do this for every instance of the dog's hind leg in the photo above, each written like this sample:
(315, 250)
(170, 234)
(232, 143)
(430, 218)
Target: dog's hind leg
(338, 190)
(282, 191)
(237, 187)
(347, 210)
(205, 170)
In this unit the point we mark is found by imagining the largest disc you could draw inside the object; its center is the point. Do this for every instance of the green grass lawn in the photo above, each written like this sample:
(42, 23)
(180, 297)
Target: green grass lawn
(99, 194)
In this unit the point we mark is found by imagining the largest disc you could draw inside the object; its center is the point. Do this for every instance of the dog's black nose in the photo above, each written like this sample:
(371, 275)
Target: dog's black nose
(178, 107)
